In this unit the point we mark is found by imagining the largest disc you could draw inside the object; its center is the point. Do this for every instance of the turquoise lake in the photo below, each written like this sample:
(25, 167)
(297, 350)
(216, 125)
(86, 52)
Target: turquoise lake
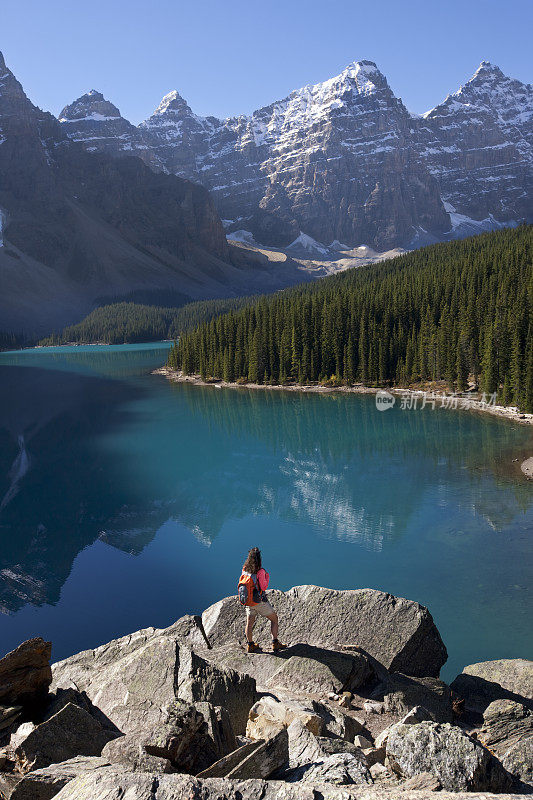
(127, 501)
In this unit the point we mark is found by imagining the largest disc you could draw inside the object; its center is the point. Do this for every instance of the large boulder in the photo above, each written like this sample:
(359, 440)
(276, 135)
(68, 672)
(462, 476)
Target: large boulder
(316, 760)
(223, 766)
(69, 733)
(269, 713)
(219, 727)
(401, 693)
(131, 680)
(110, 783)
(320, 671)
(507, 732)
(262, 761)
(129, 751)
(199, 680)
(25, 672)
(182, 738)
(9, 716)
(504, 679)
(45, 783)
(458, 761)
(399, 633)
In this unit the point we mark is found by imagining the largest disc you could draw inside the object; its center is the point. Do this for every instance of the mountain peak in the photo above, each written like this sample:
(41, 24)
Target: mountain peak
(487, 70)
(173, 103)
(2, 61)
(90, 106)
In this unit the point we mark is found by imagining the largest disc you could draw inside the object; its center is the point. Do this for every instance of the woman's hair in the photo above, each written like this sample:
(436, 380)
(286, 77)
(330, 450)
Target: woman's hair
(253, 561)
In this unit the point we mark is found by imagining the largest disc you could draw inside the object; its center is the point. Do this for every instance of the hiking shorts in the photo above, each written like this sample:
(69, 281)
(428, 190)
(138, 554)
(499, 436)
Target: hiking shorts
(263, 609)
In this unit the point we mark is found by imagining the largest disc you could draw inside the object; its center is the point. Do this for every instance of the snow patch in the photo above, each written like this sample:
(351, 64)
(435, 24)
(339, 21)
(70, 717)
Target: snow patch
(310, 245)
(246, 237)
(339, 246)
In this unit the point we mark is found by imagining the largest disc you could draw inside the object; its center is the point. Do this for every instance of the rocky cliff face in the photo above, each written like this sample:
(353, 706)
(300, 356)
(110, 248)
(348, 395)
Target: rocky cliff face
(344, 160)
(79, 225)
(478, 145)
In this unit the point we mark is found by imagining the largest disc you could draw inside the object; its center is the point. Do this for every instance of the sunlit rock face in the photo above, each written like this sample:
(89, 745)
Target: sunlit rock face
(478, 145)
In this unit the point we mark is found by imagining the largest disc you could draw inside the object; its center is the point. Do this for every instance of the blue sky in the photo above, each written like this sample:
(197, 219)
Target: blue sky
(228, 56)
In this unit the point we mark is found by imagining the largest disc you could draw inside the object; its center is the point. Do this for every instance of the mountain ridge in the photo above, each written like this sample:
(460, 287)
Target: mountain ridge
(79, 225)
(345, 160)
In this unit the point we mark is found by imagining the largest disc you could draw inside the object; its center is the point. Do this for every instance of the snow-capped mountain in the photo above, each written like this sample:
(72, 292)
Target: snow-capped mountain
(478, 144)
(99, 126)
(343, 159)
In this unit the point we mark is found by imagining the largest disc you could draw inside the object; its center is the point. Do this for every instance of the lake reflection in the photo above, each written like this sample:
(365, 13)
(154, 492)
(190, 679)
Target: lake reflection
(119, 490)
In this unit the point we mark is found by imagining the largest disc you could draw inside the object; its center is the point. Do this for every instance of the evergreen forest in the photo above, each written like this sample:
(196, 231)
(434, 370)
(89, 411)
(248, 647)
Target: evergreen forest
(458, 312)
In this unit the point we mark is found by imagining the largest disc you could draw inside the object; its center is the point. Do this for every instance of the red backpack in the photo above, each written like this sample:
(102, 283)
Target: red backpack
(248, 590)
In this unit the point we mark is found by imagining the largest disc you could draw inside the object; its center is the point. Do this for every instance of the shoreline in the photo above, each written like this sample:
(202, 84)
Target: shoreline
(463, 403)
(525, 468)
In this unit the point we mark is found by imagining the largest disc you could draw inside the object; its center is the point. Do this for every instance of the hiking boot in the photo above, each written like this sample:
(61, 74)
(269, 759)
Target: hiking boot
(277, 646)
(252, 647)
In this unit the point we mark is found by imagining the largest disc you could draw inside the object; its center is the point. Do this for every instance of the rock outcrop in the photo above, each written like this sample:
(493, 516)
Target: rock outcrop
(25, 673)
(157, 715)
(398, 633)
(504, 679)
(459, 762)
(109, 783)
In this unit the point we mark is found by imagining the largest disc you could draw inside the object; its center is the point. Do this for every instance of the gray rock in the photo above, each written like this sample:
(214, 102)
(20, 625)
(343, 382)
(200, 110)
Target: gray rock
(43, 784)
(321, 671)
(379, 771)
(197, 680)
(336, 745)
(337, 722)
(219, 727)
(9, 715)
(130, 752)
(224, 765)
(401, 693)
(269, 712)
(374, 755)
(131, 680)
(111, 783)
(508, 733)
(415, 715)
(304, 746)
(182, 738)
(69, 733)
(504, 723)
(518, 760)
(362, 742)
(504, 679)
(261, 762)
(8, 781)
(340, 769)
(313, 759)
(458, 761)
(25, 672)
(423, 781)
(331, 619)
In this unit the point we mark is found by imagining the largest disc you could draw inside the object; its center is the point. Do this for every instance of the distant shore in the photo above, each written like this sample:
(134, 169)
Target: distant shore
(463, 403)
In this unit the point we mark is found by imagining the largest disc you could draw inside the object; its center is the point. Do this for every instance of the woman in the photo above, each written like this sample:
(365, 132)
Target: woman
(252, 567)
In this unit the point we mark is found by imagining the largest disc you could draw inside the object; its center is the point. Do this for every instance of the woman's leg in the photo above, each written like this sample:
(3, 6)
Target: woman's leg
(274, 624)
(250, 622)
